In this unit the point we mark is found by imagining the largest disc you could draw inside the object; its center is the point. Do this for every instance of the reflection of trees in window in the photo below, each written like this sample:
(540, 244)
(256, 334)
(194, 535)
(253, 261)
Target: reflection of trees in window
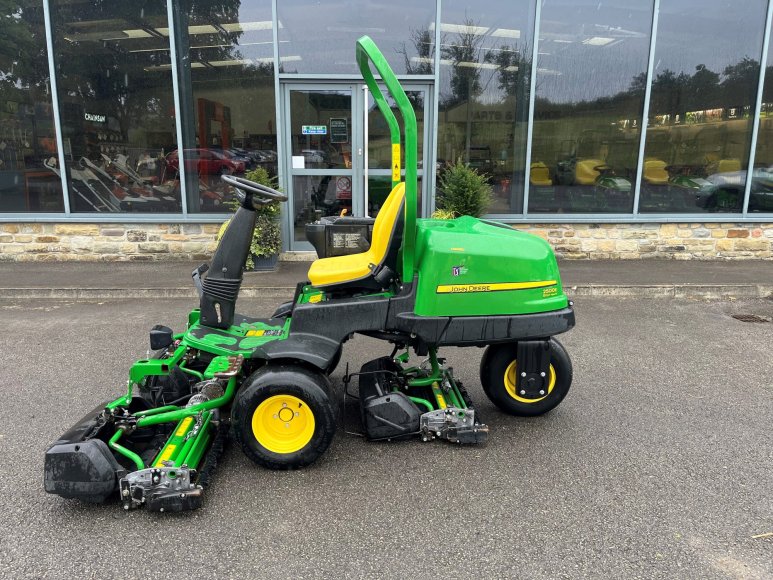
(118, 76)
(23, 62)
(462, 52)
(26, 137)
(465, 54)
(423, 41)
(513, 69)
(674, 94)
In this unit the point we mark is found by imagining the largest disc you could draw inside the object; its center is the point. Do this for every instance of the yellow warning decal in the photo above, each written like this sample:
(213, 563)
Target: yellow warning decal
(183, 428)
(395, 162)
(441, 400)
(255, 333)
(316, 298)
(498, 287)
(165, 455)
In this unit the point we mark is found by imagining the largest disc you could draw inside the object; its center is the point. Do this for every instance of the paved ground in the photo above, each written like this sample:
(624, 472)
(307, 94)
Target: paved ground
(178, 274)
(658, 464)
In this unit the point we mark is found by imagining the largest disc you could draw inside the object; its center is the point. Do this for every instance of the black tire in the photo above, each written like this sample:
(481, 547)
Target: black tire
(496, 365)
(281, 387)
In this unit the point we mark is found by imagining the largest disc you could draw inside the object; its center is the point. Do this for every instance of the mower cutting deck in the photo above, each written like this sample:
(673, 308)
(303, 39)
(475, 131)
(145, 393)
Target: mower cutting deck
(421, 285)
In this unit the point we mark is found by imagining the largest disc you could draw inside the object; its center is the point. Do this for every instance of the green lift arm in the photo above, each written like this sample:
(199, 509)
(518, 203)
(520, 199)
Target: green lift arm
(368, 52)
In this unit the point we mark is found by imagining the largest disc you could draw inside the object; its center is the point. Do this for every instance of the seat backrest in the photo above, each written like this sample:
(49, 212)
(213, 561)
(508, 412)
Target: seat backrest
(387, 229)
(728, 165)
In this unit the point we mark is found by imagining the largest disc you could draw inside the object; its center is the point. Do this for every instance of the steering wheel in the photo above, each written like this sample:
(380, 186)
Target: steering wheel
(264, 192)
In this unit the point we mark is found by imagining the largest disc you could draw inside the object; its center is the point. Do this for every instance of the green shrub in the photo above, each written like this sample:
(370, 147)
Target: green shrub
(463, 191)
(443, 214)
(267, 236)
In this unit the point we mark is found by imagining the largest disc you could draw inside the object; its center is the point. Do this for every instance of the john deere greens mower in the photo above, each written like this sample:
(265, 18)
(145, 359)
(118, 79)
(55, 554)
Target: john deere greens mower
(422, 284)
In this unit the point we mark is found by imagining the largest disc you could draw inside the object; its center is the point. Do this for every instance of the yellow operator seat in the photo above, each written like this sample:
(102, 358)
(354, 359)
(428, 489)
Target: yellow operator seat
(655, 172)
(357, 270)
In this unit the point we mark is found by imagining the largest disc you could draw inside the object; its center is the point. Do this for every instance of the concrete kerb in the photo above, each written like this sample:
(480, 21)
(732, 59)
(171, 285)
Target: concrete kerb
(702, 291)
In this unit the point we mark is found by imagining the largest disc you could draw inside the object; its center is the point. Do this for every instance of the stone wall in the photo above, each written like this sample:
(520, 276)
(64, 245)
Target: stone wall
(681, 241)
(106, 242)
(110, 242)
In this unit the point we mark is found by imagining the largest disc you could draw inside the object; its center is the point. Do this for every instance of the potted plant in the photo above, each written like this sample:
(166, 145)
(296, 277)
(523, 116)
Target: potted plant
(462, 191)
(267, 236)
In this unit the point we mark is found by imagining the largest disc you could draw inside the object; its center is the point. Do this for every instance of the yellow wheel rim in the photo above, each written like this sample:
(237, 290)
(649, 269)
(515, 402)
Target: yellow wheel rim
(510, 382)
(283, 424)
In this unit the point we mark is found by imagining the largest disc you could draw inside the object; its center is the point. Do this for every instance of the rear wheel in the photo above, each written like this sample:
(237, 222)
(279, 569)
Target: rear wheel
(499, 378)
(283, 417)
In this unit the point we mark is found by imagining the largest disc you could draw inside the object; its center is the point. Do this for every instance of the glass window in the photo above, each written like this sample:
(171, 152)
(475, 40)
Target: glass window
(116, 105)
(319, 37)
(379, 184)
(591, 74)
(485, 67)
(227, 83)
(704, 88)
(379, 138)
(27, 133)
(321, 128)
(761, 196)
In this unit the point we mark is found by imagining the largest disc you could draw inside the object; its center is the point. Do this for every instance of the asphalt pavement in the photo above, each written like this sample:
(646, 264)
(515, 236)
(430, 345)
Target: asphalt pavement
(658, 463)
(644, 278)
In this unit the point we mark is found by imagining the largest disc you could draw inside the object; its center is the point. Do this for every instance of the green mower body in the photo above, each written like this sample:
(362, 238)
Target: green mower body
(432, 283)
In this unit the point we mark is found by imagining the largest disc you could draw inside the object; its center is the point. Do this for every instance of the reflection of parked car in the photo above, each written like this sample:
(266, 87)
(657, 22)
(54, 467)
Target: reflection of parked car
(727, 190)
(267, 155)
(204, 162)
(240, 162)
(314, 155)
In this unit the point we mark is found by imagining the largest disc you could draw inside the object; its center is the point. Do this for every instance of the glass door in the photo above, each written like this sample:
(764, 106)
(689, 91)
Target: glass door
(327, 165)
(377, 182)
(322, 154)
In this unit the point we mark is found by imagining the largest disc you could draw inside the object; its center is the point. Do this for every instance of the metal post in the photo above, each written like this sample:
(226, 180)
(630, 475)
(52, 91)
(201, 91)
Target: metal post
(365, 137)
(646, 108)
(431, 163)
(287, 228)
(177, 106)
(55, 105)
(186, 113)
(532, 98)
(757, 108)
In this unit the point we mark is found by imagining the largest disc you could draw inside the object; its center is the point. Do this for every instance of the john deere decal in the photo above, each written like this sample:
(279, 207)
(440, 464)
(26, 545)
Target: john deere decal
(497, 287)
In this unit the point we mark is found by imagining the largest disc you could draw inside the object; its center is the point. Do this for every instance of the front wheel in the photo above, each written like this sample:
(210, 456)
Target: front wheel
(283, 417)
(499, 378)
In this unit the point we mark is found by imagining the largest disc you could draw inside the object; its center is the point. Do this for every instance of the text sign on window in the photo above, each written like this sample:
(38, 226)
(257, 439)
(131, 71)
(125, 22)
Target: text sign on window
(314, 129)
(339, 130)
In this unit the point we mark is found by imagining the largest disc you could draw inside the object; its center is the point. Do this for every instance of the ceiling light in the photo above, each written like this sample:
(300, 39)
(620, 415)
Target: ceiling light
(598, 41)
(246, 26)
(136, 33)
(234, 62)
(461, 28)
(202, 29)
(506, 33)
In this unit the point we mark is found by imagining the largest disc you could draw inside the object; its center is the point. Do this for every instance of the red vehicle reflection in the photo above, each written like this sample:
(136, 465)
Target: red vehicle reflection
(205, 162)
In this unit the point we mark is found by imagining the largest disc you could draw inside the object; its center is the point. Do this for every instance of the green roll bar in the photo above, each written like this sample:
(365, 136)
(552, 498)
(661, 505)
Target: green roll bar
(368, 52)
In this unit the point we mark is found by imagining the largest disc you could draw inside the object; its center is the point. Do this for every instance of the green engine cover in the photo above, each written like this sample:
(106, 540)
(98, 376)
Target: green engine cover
(472, 267)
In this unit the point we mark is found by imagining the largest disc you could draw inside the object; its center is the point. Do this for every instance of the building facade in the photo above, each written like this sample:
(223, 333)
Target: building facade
(623, 129)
